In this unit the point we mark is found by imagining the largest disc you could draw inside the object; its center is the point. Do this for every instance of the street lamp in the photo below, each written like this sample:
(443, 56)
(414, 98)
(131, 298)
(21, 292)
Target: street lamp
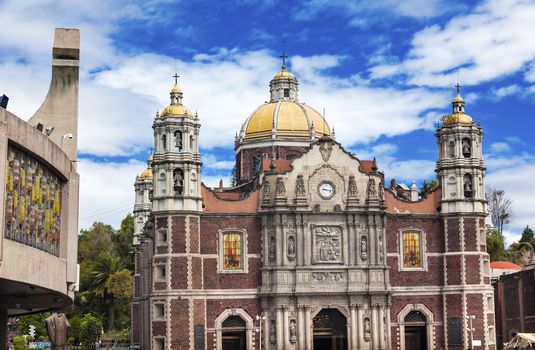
(260, 318)
(66, 136)
(471, 329)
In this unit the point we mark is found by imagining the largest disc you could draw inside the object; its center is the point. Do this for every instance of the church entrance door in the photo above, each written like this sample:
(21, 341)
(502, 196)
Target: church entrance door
(234, 340)
(415, 338)
(330, 330)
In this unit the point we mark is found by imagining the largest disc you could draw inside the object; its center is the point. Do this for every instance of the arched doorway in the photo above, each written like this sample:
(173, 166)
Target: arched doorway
(234, 334)
(415, 331)
(330, 330)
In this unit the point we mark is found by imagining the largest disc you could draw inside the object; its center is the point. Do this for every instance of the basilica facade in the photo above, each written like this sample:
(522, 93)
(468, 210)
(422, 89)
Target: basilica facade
(310, 249)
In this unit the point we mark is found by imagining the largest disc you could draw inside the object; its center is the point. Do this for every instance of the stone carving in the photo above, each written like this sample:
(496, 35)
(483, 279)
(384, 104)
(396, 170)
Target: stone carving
(280, 190)
(337, 208)
(291, 247)
(272, 332)
(367, 329)
(380, 247)
(372, 189)
(364, 247)
(381, 191)
(352, 190)
(267, 191)
(326, 149)
(316, 208)
(300, 186)
(328, 243)
(327, 276)
(272, 250)
(293, 331)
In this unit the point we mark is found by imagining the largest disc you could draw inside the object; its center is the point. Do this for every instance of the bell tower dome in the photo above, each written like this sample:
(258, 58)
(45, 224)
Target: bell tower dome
(177, 161)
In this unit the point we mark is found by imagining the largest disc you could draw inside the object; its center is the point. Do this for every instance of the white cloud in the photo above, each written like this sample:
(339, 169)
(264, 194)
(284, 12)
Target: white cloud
(500, 147)
(106, 190)
(506, 91)
(212, 162)
(494, 40)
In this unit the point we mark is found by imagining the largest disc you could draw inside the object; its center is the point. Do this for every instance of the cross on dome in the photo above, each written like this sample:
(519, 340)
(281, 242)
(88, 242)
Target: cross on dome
(283, 57)
(176, 76)
(458, 87)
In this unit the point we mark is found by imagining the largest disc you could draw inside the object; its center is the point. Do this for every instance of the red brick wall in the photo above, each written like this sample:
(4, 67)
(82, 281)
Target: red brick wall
(178, 235)
(198, 312)
(475, 305)
(194, 234)
(432, 227)
(161, 222)
(211, 224)
(454, 270)
(179, 272)
(434, 276)
(214, 307)
(470, 234)
(158, 328)
(137, 286)
(454, 305)
(215, 280)
(135, 323)
(180, 326)
(196, 272)
(454, 238)
(246, 158)
(472, 268)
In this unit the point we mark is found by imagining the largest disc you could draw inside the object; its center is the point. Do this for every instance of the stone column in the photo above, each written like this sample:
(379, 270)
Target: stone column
(280, 330)
(301, 335)
(360, 330)
(286, 326)
(351, 237)
(375, 327)
(3, 329)
(388, 327)
(265, 331)
(382, 330)
(371, 240)
(308, 329)
(354, 325)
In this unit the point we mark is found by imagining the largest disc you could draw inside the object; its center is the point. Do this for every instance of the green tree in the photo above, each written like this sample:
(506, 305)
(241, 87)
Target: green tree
(428, 187)
(528, 236)
(90, 329)
(38, 320)
(122, 241)
(19, 343)
(92, 243)
(495, 245)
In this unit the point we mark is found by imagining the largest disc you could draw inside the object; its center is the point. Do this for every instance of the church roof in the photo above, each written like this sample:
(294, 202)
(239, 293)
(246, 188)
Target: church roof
(504, 265)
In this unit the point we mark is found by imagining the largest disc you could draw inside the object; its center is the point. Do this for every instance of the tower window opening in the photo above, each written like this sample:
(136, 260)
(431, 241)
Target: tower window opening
(178, 179)
(467, 148)
(468, 186)
(164, 142)
(178, 140)
(256, 164)
(286, 92)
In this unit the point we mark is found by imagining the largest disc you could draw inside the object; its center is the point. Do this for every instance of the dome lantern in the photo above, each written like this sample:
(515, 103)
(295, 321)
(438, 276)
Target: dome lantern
(284, 85)
(458, 116)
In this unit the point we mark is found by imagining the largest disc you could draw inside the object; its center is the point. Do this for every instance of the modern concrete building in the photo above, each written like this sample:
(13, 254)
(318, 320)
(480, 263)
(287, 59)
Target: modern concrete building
(310, 247)
(39, 234)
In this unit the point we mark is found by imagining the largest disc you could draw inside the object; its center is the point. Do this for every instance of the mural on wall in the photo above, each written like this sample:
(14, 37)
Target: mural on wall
(33, 202)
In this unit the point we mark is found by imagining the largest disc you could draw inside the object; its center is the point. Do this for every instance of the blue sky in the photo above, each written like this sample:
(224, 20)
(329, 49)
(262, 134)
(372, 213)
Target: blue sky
(383, 70)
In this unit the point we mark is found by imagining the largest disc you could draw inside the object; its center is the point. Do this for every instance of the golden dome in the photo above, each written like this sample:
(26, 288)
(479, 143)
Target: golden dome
(283, 74)
(146, 174)
(286, 120)
(176, 90)
(458, 98)
(457, 119)
(176, 111)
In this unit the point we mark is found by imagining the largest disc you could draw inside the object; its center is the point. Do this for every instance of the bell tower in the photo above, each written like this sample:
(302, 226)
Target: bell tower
(177, 161)
(460, 166)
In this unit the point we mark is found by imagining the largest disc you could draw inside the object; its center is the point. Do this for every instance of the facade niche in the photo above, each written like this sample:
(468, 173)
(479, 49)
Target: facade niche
(468, 186)
(178, 178)
(467, 148)
(164, 142)
(178, 140)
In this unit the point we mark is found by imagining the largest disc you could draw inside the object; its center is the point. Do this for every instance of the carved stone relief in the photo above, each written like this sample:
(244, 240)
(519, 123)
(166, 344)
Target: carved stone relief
(326, 149)
(272, 249)
(291, 248)
(327, 244)
(352, 187)
(372, 189)
(280, 190)
(267, 191)
(300, 186)
(337, 208)
(327, 276)
(381, 191)
(316, 208)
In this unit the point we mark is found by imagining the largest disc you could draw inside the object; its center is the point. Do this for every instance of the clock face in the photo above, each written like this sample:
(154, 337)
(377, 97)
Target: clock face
(326, 190)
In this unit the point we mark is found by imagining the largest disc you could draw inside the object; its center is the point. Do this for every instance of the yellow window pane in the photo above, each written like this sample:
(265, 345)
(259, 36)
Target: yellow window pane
(411, 249)
(232, 251)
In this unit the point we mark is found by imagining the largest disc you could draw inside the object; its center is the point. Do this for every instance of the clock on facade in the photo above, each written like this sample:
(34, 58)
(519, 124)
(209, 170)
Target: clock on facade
(326, 190)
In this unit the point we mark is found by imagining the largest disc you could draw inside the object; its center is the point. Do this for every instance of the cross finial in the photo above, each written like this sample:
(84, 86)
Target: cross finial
(458, 86)
(176, 76)
(284, 57)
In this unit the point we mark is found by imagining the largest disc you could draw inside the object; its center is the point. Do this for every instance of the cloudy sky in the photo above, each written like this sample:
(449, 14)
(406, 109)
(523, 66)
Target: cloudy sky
(383, 71)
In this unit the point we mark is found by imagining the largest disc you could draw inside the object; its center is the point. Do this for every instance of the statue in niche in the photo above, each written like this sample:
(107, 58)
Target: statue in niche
(257, 163)
(467, 148)
(337, 208)
(293, 331)
(272, 251)
(279, 187)
(381, 191)
(300, 186)
(468, 186)
(367, 328)
(372, 189)
(272, 332)
(316, 208)
(291, 246)
(352, 190)
(451, 149)
(267, 191)
(380, 247)
(363, 246)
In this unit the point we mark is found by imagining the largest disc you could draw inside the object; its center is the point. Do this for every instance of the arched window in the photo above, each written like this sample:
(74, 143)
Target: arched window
(468, 186)
(164, 142)
(256, 164)
(467, 148)
(234, 321)
(286, 92)
(191, 143)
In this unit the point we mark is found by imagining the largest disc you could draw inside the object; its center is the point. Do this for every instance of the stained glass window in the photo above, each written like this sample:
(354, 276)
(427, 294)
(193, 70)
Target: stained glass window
(411, 250)
(232, 251)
